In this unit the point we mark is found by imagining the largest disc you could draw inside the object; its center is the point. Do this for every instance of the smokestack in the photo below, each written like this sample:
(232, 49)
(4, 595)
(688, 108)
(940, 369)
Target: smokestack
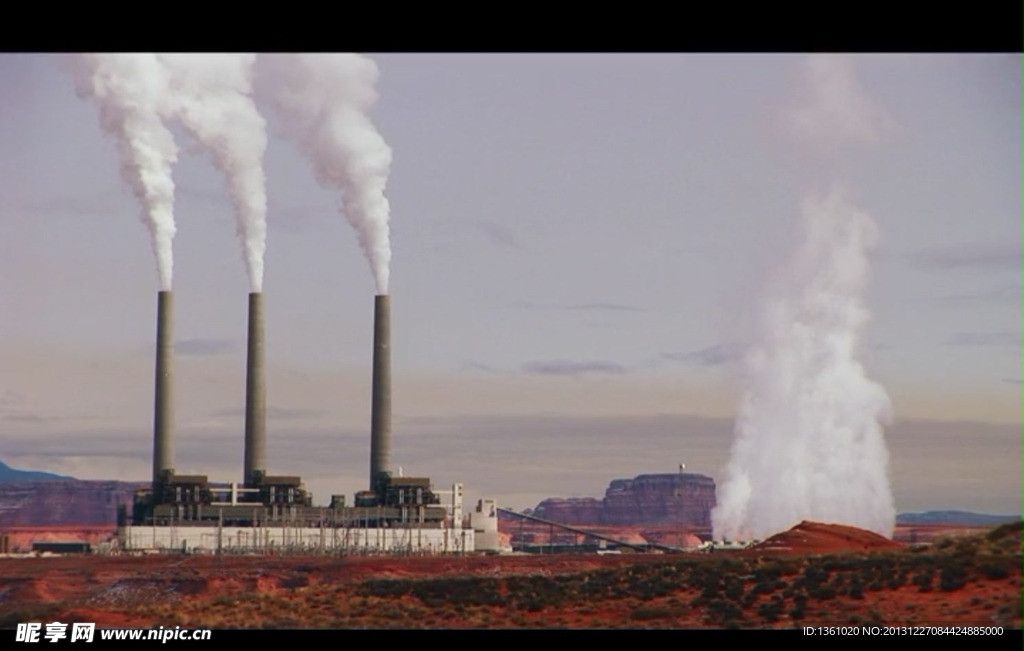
(163, 410)
(380, 419)
(255, 397)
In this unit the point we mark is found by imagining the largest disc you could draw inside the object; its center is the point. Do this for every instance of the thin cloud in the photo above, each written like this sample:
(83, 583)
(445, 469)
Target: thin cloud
(716, 355)
(1003, 294)
(477, 366)
(582, 307)
(273, 413)
(30, 418)
(499, 234)
(573, 369)
(204, 347)
(1003, 256)
(10, 398)
(604, 307)
(985, 339)
(97, 202)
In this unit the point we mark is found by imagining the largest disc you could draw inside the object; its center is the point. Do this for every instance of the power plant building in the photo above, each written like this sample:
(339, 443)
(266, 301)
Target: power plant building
(273, 513)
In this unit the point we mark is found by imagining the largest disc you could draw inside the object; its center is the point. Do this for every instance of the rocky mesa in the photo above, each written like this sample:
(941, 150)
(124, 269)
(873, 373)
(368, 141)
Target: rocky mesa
(69, 502)
(655, 499)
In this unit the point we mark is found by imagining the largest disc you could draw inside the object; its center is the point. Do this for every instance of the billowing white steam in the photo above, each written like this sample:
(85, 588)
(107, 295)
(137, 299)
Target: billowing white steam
(211, 96)
(835, 109)
(323, 100)
(809, 438)
(131, 92)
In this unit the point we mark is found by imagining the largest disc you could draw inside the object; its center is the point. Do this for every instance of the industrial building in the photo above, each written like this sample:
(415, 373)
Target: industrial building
(271, 513)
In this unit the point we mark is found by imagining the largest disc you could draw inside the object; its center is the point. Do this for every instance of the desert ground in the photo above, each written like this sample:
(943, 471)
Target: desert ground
(813, 574)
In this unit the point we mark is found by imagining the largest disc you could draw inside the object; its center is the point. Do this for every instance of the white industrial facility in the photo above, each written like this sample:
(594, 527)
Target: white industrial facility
(335, 531)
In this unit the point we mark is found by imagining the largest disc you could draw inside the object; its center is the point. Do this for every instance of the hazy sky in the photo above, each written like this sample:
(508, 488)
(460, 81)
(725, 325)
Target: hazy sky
(580, 244)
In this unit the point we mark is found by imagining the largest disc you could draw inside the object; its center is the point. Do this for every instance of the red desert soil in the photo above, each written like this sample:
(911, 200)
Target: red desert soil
(639, 590)
(823, 538)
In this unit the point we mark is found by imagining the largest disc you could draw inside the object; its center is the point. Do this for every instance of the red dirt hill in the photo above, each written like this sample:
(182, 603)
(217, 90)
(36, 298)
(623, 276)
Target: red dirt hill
(822, 538)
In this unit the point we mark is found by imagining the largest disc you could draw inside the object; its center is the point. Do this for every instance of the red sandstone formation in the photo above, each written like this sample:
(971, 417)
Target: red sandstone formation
(663, 499)
(71, 502)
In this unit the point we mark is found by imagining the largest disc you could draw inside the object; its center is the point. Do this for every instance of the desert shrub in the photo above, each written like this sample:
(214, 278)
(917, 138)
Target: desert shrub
(952, 577)
(293, 582)
(645, 613)
(965, 548)
(856, 591)
(710, 591)
(944, 542)
(823, 593)
(771, 610)
(788, 566)
(705, 576)
(763, 588)
(798, 611)
(840, 564)
(993, 570)
(924, 581)
(1007, 612)
(654, 587)
(897, 581)
(734, 590)
(814, 576)
(1008, 530)
(384, 588)
(38, 612)
(723, 610)
(533, 605)
(459, 590)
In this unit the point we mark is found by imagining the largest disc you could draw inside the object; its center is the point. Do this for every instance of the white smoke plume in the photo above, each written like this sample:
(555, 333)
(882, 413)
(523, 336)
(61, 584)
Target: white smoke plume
(809, 433)
(211, 95)
(323, 100)
(836, 111)
(131, 93)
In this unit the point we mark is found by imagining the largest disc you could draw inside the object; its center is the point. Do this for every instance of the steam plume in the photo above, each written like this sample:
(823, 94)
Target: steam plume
(836, 110)
(323, 100)
(211, 96)
(131, 92)
(809, 440)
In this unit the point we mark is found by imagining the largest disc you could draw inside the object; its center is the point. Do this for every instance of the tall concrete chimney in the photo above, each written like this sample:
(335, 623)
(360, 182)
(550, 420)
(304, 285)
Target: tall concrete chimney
(255, 397)
(380, 418)
(163, 407)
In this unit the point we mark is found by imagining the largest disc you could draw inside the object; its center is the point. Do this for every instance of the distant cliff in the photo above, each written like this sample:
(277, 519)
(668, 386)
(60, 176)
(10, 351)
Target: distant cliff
(676, 498)
(9, 474)
(69, 502)
(955, 517)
